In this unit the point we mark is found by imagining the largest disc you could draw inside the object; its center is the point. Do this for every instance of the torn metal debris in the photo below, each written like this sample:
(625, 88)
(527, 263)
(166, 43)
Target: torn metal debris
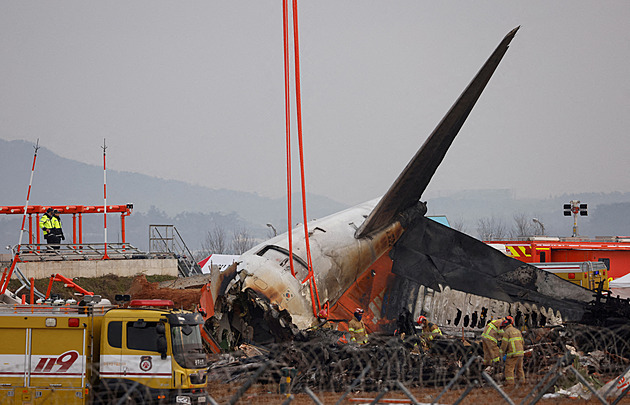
(323, 364)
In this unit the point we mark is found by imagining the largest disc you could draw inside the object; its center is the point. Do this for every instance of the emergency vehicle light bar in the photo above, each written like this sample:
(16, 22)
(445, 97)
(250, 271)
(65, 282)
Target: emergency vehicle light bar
(152, 303)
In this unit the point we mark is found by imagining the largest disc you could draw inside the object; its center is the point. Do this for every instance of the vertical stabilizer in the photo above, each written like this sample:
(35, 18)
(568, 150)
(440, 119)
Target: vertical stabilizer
(411, 183)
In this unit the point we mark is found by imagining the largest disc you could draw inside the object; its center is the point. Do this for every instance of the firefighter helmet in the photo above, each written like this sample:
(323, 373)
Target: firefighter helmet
(322, 314)
(421, 319)
(358, 311)
(508, 320)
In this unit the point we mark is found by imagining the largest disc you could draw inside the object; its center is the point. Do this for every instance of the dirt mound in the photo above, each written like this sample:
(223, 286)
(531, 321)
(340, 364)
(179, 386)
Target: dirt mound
(141, 288)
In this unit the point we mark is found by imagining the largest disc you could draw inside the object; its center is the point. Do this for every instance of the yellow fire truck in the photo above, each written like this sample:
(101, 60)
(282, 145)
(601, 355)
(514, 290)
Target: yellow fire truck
(586, 274)
(91, 354)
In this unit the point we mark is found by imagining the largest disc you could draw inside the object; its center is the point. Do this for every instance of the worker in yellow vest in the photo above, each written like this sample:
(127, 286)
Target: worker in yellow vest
(56, 226)
(490, 342)
(48, 223)
(356, 327)
(512, 347)
(55, 235)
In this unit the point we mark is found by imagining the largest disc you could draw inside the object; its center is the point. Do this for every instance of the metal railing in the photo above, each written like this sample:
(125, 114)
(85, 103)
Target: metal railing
(85, 251)
(166, 239)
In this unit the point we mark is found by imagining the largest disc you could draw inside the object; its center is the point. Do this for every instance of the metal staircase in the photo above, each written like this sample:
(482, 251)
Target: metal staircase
(166, 240)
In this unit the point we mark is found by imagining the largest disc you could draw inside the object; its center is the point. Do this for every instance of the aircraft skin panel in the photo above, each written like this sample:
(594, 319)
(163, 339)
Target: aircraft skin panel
(411, 183)
(368, 292)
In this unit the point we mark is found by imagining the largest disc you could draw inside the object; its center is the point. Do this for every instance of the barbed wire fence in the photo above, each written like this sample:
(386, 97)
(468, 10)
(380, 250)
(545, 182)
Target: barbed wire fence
(584, 361)
(575, 358)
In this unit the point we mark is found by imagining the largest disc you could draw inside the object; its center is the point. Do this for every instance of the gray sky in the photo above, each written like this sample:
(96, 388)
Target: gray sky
(194, 91)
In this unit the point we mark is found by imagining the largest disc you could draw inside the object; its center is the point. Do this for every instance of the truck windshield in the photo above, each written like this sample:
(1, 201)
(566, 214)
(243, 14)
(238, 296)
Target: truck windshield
(186, 337)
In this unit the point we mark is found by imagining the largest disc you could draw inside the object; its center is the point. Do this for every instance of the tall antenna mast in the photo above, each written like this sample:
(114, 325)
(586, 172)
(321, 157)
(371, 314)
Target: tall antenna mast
(5, 281)
(104, 147)
(28, 194)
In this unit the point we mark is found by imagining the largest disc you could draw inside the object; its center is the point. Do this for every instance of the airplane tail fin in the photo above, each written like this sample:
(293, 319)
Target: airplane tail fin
(411, 183)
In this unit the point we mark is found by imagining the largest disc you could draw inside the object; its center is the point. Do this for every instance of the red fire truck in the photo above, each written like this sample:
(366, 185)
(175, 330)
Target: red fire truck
(614, 252)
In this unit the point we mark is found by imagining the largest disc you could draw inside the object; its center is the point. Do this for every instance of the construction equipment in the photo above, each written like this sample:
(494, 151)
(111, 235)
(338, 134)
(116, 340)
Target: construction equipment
(94, 352)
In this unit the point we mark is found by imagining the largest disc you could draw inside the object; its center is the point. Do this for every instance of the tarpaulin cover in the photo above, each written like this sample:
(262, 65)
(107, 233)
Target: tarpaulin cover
(621, 286)
(431, 254)
(222, 261)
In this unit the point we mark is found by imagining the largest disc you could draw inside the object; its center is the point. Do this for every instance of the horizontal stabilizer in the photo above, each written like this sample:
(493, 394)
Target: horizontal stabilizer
(408, 188)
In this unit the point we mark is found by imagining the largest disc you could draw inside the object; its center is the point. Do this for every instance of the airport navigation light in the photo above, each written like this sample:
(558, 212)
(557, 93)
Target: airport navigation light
(574, 207)
(542, 227)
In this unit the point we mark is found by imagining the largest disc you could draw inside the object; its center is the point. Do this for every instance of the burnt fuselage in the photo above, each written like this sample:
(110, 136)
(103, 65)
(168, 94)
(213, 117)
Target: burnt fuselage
(338, 259)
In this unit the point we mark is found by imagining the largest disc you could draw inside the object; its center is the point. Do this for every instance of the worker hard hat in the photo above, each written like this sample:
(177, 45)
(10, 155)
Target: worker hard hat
(322, 314)
(421, 319)
(508, 320)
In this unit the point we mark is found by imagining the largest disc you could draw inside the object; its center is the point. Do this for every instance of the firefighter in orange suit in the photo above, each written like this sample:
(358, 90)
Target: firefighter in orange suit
(490, 342)
(321, 322)
(356, 327)
(512, 347)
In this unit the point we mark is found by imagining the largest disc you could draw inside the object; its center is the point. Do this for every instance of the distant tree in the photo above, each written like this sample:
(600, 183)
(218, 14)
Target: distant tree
(242, 241)
(523, 226)
(491, 228)
(215, 241)
(459, 224)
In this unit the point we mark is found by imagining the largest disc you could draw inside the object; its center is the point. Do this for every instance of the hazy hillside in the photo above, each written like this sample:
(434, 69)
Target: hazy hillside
(605, 211)
(194, 210)
(60, 181)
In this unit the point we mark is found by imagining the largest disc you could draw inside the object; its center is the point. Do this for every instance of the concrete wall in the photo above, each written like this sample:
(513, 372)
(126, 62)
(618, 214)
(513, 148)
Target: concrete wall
(98, 268)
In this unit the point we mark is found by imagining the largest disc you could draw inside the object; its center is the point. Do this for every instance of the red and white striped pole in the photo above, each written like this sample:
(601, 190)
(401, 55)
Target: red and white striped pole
(5, 280)
(105, 198)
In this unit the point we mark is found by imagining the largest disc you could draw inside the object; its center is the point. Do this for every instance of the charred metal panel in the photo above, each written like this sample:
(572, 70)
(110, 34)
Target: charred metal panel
(432, 255)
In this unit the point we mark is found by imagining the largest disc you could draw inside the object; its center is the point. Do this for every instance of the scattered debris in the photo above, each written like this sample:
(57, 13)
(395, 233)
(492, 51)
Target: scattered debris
(576, 391)
(324, 364)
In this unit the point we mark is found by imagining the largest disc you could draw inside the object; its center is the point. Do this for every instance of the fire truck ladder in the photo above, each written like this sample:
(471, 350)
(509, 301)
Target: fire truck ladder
(166, 240)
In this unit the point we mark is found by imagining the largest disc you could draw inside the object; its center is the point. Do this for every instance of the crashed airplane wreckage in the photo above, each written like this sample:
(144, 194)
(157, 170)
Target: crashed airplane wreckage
(385, 256)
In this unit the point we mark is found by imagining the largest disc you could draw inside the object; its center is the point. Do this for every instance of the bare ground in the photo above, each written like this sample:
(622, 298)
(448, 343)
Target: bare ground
(268, 394)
